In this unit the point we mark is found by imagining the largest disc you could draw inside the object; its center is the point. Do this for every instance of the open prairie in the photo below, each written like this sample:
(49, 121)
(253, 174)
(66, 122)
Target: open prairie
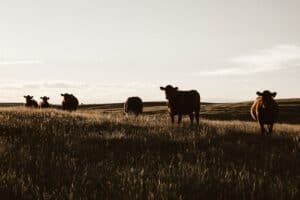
(97, 153)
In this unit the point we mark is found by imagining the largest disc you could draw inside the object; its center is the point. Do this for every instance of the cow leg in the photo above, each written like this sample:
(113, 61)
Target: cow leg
(262, 128)
(192, 118)
(172, 118)
(197, 117)
(270, 127)
(179, 119)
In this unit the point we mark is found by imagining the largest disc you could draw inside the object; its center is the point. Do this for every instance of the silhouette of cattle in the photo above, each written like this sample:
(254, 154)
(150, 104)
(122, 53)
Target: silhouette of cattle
(70, 102)
(30, 102)
(44, 103)
(133, 105)
(265, 110)
(182, 103)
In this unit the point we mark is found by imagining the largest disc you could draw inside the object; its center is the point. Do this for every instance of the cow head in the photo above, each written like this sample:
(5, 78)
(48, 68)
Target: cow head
(170, 91)
(68, 96)
(28, 98)
(45, 99)
(267, 98)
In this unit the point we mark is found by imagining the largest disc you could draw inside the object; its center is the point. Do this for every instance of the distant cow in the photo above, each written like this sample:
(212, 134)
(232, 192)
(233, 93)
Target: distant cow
(133, 105)
(265, 110)
(30, 102)
(182, 103)
(70, 102)
(44, 103)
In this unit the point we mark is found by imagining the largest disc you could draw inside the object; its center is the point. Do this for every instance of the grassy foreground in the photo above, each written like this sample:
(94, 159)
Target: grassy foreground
(52, 154)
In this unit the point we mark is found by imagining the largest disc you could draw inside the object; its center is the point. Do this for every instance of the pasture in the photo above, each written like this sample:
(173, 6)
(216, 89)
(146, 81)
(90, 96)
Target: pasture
(97, 153)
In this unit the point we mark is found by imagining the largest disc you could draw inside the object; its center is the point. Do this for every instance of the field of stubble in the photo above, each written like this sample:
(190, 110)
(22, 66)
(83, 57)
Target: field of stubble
(52, 154)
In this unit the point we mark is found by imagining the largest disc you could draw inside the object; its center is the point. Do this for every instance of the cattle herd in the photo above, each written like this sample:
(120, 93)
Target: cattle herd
(264, 109)
(70, 102)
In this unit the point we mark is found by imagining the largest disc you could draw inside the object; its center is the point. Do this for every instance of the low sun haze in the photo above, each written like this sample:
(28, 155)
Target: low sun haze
(105, 51)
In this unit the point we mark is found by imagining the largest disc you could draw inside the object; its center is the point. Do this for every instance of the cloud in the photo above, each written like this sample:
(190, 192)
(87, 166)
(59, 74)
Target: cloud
(74, 85)
(86, 92)
(43, 85)
(19, 62)
(64, 85)
(277, 58)
(132, 85)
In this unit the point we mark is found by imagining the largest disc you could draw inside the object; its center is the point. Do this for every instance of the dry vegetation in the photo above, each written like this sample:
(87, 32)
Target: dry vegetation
(96, 154)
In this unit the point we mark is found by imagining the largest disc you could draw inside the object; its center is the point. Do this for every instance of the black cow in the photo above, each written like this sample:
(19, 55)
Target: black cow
(182, 103)
(44, 103)
(133, 105)
(70, 102)
(30, 102)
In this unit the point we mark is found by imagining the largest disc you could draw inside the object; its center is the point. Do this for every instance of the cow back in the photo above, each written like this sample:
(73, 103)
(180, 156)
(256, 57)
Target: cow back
(133, 104)
(70, 104)
(185, 102)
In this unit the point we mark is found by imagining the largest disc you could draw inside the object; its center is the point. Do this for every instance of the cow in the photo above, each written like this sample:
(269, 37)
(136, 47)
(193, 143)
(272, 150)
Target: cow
(265, 110)
(30, 102)
(133, 105)
(44, 103)
(182, 103)
(70, 102)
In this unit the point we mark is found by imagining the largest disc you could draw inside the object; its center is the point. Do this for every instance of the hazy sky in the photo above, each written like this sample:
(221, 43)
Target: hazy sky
(103, 51)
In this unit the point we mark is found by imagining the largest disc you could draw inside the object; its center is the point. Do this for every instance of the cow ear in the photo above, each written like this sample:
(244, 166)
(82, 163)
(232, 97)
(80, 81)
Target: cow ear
(274, 94)
(162, 88)
(41, 97)
(24, 96)
(259, 93)
(176, 88)
(48, 98)
(62, 95)
(31, 96)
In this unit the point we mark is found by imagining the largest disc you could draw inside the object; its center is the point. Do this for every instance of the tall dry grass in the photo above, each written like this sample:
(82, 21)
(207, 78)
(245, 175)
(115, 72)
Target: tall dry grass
(52, 154)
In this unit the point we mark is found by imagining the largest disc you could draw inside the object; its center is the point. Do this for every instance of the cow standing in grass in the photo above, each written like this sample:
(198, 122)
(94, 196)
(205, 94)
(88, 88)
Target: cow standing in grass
(182, 103)
(70, 102)
(265, 110)
(30, 102)
(44, 103)
(133, 105)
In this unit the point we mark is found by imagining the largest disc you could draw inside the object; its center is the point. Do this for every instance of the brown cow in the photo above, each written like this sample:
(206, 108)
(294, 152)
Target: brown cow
(182, 103)
(133, 105)
(70, 102)
(265, 110)
(30, 102)
(44, 103)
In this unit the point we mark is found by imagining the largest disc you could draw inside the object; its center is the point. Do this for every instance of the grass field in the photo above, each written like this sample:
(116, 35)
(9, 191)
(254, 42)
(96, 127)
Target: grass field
(97, 153)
